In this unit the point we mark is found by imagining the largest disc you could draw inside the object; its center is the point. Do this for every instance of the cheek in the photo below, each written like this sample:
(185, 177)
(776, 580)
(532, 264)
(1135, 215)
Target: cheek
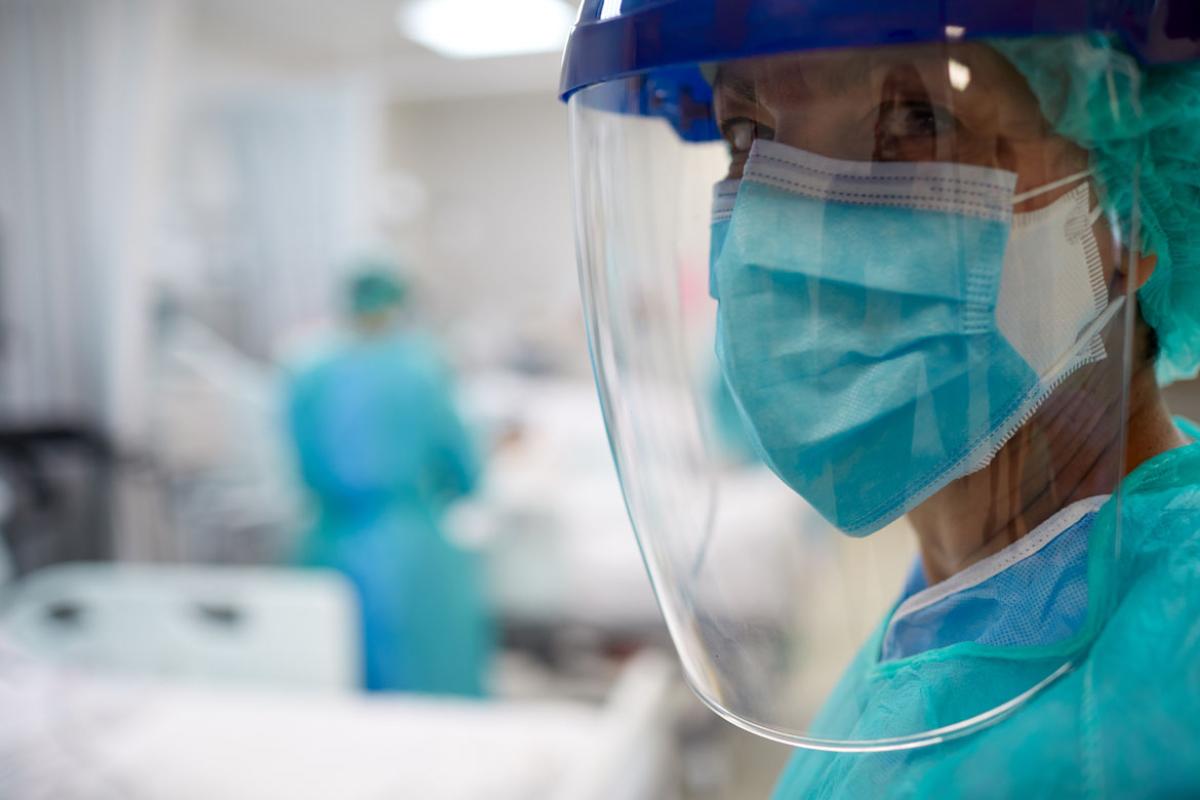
(1040, 161)
(737, 166)
(833, 128)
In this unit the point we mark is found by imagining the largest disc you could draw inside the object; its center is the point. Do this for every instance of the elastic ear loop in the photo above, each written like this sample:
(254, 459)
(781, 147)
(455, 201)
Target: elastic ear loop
(1050, 187)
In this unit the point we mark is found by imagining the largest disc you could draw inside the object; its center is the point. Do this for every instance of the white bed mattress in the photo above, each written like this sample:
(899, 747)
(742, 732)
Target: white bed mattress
(71, 736)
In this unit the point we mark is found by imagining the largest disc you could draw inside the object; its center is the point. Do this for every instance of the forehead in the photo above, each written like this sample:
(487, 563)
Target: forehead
(834, 73)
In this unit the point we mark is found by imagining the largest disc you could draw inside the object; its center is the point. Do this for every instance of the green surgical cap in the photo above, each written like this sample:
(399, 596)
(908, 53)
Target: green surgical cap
(375, 287)
(1142, 126)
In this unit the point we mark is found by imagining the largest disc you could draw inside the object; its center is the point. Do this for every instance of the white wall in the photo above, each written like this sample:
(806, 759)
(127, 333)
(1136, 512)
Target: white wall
(492, 241)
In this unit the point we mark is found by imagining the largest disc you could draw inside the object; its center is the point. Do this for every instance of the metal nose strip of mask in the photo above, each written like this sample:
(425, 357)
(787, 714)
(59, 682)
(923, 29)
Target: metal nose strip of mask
(725, 192)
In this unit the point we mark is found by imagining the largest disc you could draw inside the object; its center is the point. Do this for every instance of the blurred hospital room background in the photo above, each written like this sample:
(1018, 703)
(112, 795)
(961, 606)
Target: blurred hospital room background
(234, 236)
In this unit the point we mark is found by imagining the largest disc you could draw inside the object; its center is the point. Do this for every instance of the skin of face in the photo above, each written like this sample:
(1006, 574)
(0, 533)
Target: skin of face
(376, 323)
(964, 103)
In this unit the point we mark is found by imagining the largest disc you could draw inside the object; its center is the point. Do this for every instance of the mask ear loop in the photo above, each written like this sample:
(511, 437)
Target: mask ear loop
(1050, 187)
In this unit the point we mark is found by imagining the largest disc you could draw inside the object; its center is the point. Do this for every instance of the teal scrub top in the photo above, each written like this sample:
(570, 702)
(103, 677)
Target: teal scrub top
(1123, 723)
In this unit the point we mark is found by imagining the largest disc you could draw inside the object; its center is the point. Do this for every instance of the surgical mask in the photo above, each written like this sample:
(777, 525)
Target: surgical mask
(886, 327)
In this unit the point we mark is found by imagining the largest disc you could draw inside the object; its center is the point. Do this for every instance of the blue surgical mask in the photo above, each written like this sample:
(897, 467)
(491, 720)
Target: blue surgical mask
(886, 327)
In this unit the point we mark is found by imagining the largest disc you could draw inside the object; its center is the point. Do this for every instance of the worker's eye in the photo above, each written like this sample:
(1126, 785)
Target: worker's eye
(740, 133)
(903, 125)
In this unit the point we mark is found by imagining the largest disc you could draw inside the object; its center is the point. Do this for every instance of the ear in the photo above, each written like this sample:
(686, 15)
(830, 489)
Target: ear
(1146, 265)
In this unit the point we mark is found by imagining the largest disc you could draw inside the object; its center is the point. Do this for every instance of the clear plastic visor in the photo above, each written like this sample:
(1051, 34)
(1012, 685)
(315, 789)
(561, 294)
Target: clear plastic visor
(863, 365)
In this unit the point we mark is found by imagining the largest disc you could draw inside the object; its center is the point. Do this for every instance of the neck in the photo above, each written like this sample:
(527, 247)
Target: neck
(1069, 451)
(376, 324)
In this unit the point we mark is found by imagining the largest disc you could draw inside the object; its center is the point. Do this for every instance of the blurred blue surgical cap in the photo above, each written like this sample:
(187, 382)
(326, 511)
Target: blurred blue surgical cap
(375, 287)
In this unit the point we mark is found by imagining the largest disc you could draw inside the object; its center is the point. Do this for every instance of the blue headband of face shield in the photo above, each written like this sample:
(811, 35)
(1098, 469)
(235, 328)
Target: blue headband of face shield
(886, 327)
(661, 41)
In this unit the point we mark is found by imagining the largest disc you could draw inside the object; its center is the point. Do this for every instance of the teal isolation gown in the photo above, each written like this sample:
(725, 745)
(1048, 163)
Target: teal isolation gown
(382, 451)
(1123, 723)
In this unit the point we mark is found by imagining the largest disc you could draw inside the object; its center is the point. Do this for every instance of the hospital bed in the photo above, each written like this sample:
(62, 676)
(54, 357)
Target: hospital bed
(147, 682)
(240, 625)
(550, 516)
(76, 738)
(565, 568)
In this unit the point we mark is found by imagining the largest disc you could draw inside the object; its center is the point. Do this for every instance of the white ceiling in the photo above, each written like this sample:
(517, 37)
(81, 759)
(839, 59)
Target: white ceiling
(360, 37)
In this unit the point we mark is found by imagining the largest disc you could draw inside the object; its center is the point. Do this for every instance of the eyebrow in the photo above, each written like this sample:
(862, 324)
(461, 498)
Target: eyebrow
(834, 81)
(739, 85)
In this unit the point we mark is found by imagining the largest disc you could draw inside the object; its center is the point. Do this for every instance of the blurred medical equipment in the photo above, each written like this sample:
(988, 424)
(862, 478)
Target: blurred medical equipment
(77, 738)
(61, 480)
(7, 568)
(562, 568)
(238, 625)
(219, 447)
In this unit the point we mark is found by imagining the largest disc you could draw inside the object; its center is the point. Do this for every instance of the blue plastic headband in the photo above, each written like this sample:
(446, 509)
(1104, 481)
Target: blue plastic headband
(663, 41)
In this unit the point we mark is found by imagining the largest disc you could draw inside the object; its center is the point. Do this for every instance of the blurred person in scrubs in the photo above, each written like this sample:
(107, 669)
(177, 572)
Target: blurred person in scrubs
(382, 451)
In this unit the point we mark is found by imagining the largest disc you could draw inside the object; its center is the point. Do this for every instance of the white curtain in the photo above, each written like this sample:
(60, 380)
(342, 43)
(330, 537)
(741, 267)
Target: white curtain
(84, 112)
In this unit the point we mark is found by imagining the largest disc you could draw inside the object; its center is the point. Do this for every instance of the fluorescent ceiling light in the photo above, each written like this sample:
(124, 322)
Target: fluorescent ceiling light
(480, 28)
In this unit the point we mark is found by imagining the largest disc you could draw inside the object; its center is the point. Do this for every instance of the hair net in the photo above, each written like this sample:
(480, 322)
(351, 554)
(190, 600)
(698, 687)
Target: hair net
(375, 287)
(1142, 125)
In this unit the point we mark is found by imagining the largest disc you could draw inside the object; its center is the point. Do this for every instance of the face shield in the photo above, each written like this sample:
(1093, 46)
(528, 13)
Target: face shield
(862, 320)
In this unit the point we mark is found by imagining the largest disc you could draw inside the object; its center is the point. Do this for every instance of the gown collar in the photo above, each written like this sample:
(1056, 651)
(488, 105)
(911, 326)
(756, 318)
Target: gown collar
(1043, 574)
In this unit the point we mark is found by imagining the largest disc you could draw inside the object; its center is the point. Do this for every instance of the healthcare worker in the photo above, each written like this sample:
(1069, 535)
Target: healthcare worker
(382, 451)
(954, 250)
